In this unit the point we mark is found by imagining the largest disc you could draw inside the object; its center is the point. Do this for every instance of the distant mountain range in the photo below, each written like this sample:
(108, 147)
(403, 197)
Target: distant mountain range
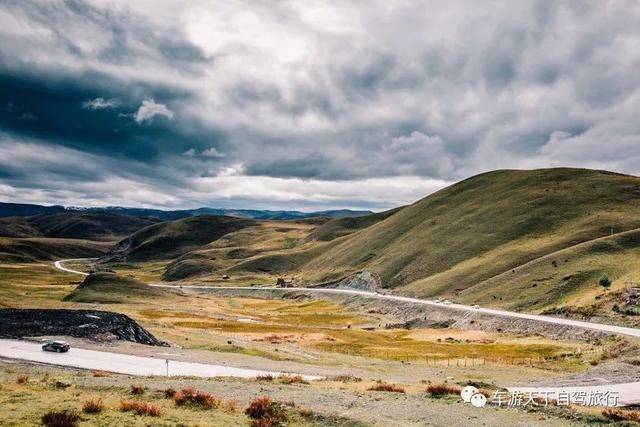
(20, 209)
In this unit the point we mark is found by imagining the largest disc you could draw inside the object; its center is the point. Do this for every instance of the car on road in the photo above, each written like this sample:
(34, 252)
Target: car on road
(475, 306)
(446, 302)
(56, 346)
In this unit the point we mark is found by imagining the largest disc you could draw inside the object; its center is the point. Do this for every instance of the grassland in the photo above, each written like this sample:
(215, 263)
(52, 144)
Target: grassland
(344, 402)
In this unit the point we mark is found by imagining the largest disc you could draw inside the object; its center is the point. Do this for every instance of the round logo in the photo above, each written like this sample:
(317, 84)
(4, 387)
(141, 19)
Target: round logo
(468, 392)
(478, 400)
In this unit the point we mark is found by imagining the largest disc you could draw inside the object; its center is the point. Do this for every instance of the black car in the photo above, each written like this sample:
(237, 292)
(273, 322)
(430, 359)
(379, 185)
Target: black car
(56, 347)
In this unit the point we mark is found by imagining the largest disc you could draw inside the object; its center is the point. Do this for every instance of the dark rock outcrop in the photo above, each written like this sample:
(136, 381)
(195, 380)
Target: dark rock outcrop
(93, 324)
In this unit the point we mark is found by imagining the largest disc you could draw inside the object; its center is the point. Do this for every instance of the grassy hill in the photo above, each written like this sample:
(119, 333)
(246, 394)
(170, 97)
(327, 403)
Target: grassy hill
(238, 248)
(456, 241)
(169, 240)
(339, 227)
(74, 225)
(17, 250)
(109, 288)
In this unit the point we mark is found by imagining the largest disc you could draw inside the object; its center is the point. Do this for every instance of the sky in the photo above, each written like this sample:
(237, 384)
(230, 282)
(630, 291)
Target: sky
(307, 104)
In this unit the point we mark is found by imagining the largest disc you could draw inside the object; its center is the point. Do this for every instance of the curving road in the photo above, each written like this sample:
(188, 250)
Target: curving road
(618, 330)
(626, 394)
(613, 329)
(59, 265)
(125, 363)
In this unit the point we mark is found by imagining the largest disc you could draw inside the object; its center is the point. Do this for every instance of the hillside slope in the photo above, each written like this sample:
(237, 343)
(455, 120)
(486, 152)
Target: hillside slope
(14, 250)
(339, 227)
(109, 288)
(483, 226)
(168, 240)
(74, 225)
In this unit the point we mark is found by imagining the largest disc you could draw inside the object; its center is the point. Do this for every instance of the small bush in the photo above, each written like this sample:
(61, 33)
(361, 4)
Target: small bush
(605, 281)
(631, 310)
(345, 378)
(440, 390)
(93, 406)
(615, 414)
(170, 392)
(267, 378)
(293, 379)
(136, 389)
(306, 413)
(140, 408)
(196, 398)
(101, 374)
(22, 379)
(380, 386)
(266, 411)
(60, 419)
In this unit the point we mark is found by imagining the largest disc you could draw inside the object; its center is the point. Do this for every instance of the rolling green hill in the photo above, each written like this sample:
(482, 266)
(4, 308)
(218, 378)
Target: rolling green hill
(109, 288)
(171, 239)
(74, 225)
(454, 242)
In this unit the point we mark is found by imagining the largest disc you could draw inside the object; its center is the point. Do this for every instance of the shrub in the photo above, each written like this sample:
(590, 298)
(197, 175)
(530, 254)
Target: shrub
(293, 379)
(101, 374)
(306, 413)
(60, 419)
(440, 390)
(170, 392)
(22, 379)
(621, 415)
(93, 406)
(345, 378)
(381, 386)
(266, 377)
(605, 281)
(136, 389)
(631, 310)
(140, 408)
(266, 411)
(197, 398)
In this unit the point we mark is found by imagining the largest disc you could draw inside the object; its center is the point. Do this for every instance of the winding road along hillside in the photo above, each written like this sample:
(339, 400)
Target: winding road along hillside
(627, 393)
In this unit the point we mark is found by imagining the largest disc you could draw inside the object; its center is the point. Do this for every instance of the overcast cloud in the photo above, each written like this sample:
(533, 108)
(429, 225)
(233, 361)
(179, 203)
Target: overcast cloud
(307, 104)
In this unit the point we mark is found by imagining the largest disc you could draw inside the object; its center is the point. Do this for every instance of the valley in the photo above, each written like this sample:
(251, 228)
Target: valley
(492, 281)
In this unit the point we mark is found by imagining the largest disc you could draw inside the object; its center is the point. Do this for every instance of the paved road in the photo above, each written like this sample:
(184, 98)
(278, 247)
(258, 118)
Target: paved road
(626, 394)
(59, 265)
(618, 330)
(124, 363)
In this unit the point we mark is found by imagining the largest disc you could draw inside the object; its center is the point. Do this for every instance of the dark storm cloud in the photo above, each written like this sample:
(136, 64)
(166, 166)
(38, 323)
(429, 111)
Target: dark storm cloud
(350, 103)
(54, 109)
